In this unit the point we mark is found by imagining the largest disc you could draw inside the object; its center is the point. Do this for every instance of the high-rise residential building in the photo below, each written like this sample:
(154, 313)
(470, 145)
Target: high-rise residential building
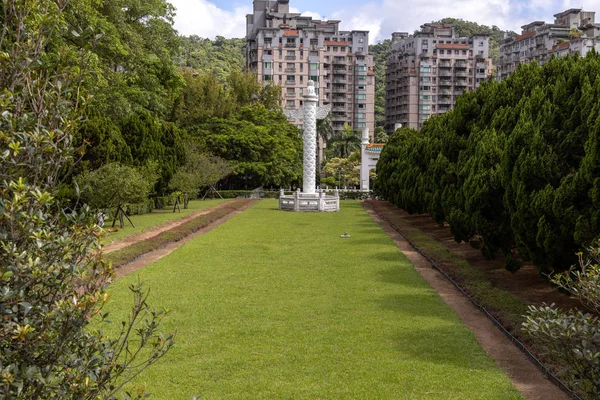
(427, 71)
(290, 49)
(573, 31)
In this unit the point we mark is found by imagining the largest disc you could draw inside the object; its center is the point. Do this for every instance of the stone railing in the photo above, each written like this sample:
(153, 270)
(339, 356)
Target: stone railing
(309, 202)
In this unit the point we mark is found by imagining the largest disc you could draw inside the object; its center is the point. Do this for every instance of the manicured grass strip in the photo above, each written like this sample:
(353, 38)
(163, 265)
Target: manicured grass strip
(504, 306)
(275, 305)
(130, 253)
(156, 217)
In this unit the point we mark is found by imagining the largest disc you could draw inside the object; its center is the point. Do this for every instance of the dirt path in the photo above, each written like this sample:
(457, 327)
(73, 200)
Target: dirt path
(165, 226)
(526, 284)
(156, 255)
(526, 378)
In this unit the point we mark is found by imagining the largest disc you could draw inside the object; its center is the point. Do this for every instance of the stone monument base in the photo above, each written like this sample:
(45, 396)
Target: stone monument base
(309, 202)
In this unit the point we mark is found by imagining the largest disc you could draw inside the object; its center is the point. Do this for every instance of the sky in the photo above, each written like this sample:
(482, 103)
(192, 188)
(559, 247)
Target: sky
(209, 18)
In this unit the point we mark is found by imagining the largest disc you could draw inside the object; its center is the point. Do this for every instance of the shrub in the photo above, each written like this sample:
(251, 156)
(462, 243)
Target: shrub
(53, 279)
(574, 336)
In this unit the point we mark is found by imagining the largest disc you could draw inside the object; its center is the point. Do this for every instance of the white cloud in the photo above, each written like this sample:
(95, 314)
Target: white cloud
(203, 18)
(380, 17)
(314, 15)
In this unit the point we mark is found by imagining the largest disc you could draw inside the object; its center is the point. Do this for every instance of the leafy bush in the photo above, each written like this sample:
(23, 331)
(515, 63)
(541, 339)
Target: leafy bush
(574, 337)
(114, 184)
(53, 279)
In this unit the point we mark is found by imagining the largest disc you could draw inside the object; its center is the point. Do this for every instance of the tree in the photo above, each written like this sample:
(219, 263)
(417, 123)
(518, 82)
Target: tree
(380, 52)
(342, 172)
(514, 165)
(201, 170)
(53, 279)
(114, 185)
(218, 57)
(572, 336)
(345, 142)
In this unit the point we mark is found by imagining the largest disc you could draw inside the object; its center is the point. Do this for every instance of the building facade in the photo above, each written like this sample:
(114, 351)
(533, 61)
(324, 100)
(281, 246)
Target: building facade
(573, 31)
(427, 71)
(289, 50)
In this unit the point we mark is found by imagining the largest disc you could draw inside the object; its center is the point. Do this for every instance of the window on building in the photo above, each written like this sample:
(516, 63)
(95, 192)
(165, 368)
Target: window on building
(268, 65)
(268, 78)
(361, 96)
(361, 124)
(313, 66)
(335, 49)
(360, 115)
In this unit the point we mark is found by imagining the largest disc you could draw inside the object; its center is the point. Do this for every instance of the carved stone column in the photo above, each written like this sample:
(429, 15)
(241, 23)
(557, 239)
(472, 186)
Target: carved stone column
(310, 139)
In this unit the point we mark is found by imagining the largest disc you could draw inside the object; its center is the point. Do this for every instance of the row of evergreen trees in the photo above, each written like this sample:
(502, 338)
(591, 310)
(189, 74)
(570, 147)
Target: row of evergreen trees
(515, 166)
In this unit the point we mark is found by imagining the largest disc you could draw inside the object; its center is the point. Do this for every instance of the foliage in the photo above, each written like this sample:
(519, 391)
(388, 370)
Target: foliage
(244, 124)
(112, 185)
(468, 28)
(53, 279)
(342, 172)
(574, 337)
(380, 52)
(263, 147)
(380, 135)
(515, 164)
(200, 170)
(218, 57)
(132, 82)
(345, 142)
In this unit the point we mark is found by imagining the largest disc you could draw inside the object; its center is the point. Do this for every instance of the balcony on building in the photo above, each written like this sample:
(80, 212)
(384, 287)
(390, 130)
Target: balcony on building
(447, 73)
(445, 64)
(290, 69)
(445, 82)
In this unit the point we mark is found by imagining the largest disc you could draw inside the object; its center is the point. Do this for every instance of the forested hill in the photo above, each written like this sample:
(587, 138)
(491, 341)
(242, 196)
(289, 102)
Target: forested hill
(219, 56)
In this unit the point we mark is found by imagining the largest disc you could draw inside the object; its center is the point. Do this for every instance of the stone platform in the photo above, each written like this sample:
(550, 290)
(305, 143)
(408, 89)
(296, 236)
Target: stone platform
(309, 202)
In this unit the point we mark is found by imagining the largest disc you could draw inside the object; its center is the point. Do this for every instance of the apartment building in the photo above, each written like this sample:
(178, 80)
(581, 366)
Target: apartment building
(573, 31)
(290, 49)
(427, 71)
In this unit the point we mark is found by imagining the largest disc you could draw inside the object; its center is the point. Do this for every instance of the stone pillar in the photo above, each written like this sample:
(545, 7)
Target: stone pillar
(364, 162)
(310, 139)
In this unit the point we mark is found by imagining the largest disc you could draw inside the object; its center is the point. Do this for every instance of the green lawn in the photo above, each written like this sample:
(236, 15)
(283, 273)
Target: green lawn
(275, 305)
(156, 217)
